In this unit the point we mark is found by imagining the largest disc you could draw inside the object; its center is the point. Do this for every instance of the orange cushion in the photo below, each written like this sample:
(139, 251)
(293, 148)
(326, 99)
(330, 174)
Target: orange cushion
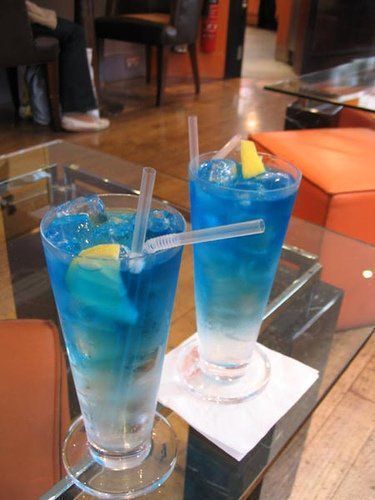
(353, 214)
(344, 261)
(336, 160)
(343, 264)
(356, 118)
(312, 203)
(34, 411)
(338, 167)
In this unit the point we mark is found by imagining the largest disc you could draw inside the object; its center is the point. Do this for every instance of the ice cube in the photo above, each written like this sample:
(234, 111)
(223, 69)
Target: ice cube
(271, 180)
(131, 262)
(116, 229)
(95, 209)
(71, 233)
(204, 170)
(161, 222)
(249, 185)
(223, 172)
(121, 228)
(93, 206)
(136, 264)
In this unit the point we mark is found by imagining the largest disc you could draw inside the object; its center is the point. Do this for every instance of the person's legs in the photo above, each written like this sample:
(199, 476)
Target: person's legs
(76, 93)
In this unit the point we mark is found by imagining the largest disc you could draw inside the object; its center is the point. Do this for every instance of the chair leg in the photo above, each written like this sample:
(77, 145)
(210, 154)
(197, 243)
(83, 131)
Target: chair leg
(194, 64)
(13, 85)
(148, 63)
(53, 93)
(96, 58)
(99, 56)
(162, 63)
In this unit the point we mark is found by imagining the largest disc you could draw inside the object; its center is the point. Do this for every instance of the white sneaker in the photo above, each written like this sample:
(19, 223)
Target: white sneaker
(72, 124)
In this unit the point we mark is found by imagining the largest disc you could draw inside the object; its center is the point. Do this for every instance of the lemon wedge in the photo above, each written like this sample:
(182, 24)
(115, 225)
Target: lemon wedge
(108, 251)
(252, 164)
(95, 283)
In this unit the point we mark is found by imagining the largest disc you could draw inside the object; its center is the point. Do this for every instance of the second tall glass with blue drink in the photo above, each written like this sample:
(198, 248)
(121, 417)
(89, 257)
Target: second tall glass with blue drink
(233, 278)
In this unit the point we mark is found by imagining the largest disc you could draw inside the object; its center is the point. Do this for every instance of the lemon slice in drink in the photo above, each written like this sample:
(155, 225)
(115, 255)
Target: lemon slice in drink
(106, 251)
(94, 282)
(252, 164)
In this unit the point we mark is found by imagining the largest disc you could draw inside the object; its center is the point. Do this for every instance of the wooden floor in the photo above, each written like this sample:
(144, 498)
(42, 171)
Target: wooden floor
(338, 453)
(158, 137)
(338, 443)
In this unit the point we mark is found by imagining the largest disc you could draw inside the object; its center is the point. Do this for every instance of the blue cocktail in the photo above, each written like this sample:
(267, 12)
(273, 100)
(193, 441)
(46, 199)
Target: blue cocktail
(233, 278)
(115, 311)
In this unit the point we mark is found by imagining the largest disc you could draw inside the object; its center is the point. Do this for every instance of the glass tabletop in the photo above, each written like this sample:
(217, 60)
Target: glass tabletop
(320, 310)
(351, 85)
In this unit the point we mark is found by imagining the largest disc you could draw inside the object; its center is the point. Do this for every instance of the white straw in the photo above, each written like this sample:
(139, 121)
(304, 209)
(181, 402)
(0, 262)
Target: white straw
(193, 137)
(168, 241)
(143, 209)
(228, 147)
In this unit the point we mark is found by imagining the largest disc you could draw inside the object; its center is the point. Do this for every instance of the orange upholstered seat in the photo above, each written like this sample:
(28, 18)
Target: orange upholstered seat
(355, 118)
(338, 167)
(34, 411)
(344, 264)
(337, 191)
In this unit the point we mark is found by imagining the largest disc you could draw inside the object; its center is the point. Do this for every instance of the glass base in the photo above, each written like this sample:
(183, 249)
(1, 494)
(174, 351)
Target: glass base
(220, 384)
(120, 478)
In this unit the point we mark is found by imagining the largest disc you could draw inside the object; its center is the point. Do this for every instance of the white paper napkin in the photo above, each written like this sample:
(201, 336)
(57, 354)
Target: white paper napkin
(237, 428)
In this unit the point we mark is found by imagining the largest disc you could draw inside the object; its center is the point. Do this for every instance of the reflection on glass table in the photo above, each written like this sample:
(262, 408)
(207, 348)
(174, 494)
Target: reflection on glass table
(320, 309)
(351, 85)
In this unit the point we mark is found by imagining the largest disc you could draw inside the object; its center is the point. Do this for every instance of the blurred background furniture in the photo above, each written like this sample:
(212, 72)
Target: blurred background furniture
(338, 184)
(162, 24)
(317, 34)
(349, 117)
(18, 47)
(35, 412)
(343, 95)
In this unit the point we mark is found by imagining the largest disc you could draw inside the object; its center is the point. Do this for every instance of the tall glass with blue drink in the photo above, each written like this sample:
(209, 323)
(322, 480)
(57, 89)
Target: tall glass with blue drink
(233, 278)
(115, 311)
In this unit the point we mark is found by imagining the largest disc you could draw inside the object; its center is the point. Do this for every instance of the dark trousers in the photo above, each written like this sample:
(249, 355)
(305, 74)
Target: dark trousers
(76, 94)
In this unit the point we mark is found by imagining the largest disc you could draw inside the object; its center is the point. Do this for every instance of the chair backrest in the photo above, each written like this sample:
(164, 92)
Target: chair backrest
(16, 38)
(139, 6)
(185, 17)
(185, 14)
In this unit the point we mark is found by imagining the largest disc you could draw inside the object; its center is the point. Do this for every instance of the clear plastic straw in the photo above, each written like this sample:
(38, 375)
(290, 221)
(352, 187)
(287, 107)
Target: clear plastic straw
(143, 209)
(173, 240)
(228, 147)
(193, 137)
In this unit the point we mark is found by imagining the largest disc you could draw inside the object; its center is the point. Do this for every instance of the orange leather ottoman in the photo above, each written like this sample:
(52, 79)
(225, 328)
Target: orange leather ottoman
(344, 262)
(338, 185)
(356, 118)
(34, 408)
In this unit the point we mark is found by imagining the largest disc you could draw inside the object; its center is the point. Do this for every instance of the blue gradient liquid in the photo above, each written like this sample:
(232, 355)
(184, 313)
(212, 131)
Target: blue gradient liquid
(115, 316)
(233, 278)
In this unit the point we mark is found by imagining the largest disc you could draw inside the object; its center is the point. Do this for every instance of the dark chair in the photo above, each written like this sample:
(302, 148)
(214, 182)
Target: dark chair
(159, 23)
(19, 47)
